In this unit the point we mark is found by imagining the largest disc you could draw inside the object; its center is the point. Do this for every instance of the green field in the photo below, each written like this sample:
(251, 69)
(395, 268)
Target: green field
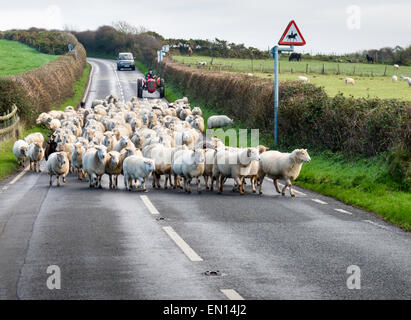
(16, 58)
(377, 86)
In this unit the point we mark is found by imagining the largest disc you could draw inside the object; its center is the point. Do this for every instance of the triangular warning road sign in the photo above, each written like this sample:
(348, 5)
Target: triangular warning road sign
(292, 36)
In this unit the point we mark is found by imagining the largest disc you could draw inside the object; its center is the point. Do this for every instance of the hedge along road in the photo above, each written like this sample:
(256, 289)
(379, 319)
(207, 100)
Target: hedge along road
(122, 245)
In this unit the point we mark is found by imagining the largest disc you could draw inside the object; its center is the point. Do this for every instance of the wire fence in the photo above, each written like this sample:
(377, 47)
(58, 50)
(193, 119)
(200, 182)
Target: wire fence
(285, 66)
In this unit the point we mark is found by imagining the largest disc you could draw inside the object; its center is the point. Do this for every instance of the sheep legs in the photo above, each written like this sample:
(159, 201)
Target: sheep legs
(276, 185)
(260, 183)
(288, 184)
(51, 180)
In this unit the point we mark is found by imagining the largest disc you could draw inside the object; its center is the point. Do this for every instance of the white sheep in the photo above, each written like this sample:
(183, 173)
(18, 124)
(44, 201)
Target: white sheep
(58, 165)
(20, 151)
(349, 81)
(35, 137)
(54, 124)
(109, 140)
(198, 123)
(188, 164)
(77, 159)
(284, 166)
(303, 79)
(123, 143)
(394, 78)
(235, 164)
(396, 66)
(219, 122)
(197, 112)
(209, 155)
(94, 164)
(137, 168)
(36, 155)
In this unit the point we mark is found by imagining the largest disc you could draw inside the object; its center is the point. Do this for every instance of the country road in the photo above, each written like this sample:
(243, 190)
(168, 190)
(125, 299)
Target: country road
(158, 245)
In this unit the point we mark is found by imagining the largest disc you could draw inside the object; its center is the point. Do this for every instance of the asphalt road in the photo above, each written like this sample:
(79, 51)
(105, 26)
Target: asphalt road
(118, 245)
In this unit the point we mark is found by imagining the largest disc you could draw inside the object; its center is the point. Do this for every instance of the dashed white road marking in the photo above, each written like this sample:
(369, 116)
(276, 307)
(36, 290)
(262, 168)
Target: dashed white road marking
(119, 83)
(282, 186)
(376, 224)
(343, 211)
(18, 177)
(319, 201)
(190, 253)
(231, 294)
(149, 205)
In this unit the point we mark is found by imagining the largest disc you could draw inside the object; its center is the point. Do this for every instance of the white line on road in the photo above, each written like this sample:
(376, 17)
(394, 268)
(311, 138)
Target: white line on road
(231, 294)
(376, 224)
(17, 178)
(343, 211)
(190, 253)
(319, 201)
(282, 186)
(149, 205)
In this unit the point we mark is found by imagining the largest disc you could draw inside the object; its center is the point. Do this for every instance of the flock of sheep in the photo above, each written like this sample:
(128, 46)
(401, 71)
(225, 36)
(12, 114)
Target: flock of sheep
(151, 138)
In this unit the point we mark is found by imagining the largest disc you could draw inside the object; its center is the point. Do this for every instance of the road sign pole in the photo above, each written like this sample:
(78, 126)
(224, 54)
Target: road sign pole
(276, 54)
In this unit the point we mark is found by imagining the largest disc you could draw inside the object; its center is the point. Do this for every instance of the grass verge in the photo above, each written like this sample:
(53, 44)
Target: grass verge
(360, 182)
(8, 163)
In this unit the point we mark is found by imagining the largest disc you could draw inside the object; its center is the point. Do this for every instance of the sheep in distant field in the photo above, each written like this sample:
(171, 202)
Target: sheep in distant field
(407, 80)
(219, 122)
(188, 164)
(284, 166)
(202, 63)
(303, 79)
(20, 151)
(250, 75)
(58, 165)
(396, 66)
(77, 159)
(137, 168)
(36, 154)
(113, 168)
(349, 81)
(394, 78)
(35, 137)
(94, 164)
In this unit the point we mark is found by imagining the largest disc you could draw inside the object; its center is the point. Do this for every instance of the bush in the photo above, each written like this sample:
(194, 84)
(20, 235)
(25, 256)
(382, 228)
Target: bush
(49, 42)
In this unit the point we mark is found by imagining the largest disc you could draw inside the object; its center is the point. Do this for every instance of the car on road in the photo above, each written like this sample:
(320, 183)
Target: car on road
(125, 60)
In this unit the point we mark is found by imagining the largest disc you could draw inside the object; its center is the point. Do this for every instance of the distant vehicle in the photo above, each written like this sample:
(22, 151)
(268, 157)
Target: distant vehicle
(125, 60)
(151, 85)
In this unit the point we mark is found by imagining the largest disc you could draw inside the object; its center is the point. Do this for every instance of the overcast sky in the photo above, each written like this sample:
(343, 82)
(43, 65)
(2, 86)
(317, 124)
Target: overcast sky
(327, 26)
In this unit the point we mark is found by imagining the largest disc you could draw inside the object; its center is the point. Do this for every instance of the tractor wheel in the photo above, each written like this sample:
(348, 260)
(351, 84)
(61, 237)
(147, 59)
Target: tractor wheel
(134, 68)
(162, 89)
(162, 83)
(139, 88)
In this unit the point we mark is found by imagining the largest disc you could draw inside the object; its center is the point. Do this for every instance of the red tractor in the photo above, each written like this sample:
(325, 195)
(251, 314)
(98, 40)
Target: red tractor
(151, 85)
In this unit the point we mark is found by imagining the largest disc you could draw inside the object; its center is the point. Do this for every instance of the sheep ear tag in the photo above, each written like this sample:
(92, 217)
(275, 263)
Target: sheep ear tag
(292, 36)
